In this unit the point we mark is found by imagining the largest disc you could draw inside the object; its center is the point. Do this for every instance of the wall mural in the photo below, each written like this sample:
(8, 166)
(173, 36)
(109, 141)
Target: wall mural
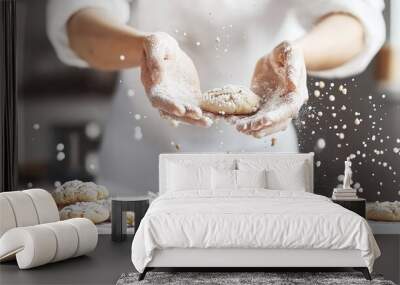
(109, 123)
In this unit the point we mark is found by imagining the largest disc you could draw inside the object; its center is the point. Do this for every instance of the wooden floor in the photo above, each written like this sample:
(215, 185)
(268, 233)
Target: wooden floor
(102, 266)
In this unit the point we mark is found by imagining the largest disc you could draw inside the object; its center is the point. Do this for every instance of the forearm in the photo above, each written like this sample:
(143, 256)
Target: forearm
(334, 40)
(98, 38)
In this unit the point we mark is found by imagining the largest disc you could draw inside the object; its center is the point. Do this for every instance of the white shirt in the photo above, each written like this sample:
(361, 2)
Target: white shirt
(224, 38)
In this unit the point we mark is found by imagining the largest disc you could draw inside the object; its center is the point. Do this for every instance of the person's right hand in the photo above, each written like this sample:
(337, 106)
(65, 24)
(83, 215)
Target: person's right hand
(171, 80)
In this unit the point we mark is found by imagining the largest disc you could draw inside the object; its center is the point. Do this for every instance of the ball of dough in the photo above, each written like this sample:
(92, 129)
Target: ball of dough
(230, 100)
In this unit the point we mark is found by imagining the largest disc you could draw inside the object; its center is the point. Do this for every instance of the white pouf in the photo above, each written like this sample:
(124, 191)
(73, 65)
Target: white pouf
(37, 245)
(31, 232)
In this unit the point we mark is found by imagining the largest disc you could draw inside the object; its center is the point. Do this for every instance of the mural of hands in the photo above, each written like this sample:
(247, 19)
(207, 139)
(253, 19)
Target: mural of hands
(171, 81)
(280, 79)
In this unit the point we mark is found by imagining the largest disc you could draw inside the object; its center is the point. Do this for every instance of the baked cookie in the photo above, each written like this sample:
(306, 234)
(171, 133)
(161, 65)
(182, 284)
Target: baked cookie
(65, 194)
(384, 211)
(93, 211)
(230, 100)
(77, 191)
(130, 219)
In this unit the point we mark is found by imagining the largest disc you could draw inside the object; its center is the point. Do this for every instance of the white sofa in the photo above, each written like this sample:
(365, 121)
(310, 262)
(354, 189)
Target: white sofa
(31, 230)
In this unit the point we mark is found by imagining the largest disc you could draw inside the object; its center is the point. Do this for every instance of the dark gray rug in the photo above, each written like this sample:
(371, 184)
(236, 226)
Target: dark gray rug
(243, 278)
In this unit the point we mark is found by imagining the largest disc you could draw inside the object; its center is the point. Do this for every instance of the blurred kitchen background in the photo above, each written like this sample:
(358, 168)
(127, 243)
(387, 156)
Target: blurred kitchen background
(62, 111)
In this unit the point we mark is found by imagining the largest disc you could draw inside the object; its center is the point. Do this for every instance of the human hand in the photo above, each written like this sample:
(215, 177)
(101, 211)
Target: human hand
(171, 81)
(280, 79)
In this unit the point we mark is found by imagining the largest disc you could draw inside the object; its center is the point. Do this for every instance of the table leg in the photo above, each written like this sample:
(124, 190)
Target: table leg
(140, 211)
(118, 222)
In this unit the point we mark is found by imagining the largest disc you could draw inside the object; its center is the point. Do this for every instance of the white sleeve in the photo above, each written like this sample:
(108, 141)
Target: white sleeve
(369, 13)
(58, 14)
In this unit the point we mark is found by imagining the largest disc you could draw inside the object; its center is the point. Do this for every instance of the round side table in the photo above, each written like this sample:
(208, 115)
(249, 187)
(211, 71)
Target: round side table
(119, 207)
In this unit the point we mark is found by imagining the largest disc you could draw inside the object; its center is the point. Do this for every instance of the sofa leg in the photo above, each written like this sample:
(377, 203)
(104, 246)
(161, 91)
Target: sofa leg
(364, 271)
(143, 274)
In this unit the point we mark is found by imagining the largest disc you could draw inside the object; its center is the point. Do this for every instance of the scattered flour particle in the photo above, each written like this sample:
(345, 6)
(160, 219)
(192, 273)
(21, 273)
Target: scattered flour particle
(321, 144)
(218, 39)
(341, 136)
(131, 93)
(57, 183)
(334, 115)
(138, 116)
(318, 163)
(60, 147)
(122, 57)
(344, 91)
(317, 93)
(331, 98)
(177, 146)
(370, 97)
(60, 156)
(332, 84)
(357, 121)
(357, 185)
(184, 34)
(344, 127)
(198, 43)
(383, 96)
(343, 108)
(138, 135)
(360, 190)
(373, 138)
(319, 114)
(322, 84)
(36, 126)
(398, 140)
(396, 150)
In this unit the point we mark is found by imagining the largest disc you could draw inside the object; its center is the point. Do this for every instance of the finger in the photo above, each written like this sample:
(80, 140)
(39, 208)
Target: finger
(166, 104)
(193, 112)
(233, 119)
(260, 123)
(202, 122)
(281, 126)
(145, 76)
(253, 123)
(211, 116)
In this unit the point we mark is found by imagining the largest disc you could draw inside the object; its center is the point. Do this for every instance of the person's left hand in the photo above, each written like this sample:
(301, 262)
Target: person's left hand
(280, 79)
